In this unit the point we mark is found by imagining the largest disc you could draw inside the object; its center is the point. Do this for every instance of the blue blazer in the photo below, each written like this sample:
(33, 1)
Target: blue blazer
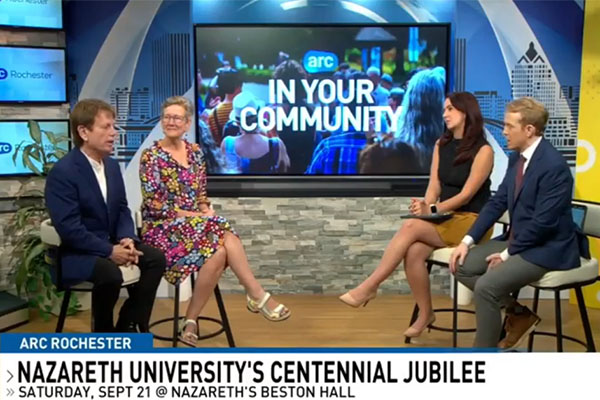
(88, 227)
(540, 214)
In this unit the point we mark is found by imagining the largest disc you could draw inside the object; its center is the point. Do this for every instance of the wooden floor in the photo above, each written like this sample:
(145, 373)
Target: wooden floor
(323, 321)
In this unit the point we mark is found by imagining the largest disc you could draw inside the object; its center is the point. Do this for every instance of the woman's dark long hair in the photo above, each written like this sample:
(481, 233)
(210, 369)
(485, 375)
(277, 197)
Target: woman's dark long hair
(473, 135)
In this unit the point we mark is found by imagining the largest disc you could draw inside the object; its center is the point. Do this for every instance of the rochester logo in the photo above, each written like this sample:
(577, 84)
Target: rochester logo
(5, 147)
(14, 74)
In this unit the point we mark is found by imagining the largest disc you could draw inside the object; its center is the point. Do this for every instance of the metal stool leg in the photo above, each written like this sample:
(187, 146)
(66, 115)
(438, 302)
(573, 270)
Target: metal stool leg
(176, 315)
(589, 338)
(558, 318)
(536, 299)
(63, 311)
(92, 319)
(455, 314)
(224, 319)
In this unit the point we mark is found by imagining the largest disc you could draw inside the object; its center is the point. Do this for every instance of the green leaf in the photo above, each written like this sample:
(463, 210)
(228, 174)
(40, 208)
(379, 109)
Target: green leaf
(20, 277)
(23, 215)
(44, 314)
(28, 164)
(47, 280)
(38, 153)
(62, 139)
(16, 153)
(57, 154)
(51, 137)
(35, 131)
(48, 166)
(36, 250)
(33, 151)
(74, 306)
(31, 285)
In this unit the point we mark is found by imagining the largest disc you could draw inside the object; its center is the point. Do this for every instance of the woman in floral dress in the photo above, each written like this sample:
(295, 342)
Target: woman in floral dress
(178, 220)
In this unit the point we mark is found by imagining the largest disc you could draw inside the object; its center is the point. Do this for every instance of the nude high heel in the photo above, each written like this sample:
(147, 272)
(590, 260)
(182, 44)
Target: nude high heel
(414, 332)
(352, 302)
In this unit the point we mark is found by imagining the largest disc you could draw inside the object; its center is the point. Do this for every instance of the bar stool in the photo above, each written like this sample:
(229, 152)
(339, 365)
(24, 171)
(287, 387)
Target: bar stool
(223, 322)
(584, 275)
(49, 236)
(441, 257)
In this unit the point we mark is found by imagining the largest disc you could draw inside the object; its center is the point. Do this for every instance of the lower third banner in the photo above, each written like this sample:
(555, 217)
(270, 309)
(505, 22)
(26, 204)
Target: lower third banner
(127, 367)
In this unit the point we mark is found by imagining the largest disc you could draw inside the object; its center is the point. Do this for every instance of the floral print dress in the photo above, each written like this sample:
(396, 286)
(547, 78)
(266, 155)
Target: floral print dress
(168, 187)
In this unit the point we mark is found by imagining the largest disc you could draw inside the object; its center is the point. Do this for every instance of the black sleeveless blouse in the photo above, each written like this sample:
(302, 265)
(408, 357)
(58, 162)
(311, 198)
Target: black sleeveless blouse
(453, 177)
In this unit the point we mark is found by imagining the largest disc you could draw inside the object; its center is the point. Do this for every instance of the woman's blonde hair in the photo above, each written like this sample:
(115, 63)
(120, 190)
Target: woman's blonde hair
(178, 101)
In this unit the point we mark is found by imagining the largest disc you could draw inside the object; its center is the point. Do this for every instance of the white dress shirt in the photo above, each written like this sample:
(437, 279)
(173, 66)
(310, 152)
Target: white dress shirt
(98, 168)
(527, 154)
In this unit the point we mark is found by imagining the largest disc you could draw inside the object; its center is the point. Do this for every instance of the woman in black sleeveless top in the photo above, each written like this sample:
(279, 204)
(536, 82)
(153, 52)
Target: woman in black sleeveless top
(459, 182)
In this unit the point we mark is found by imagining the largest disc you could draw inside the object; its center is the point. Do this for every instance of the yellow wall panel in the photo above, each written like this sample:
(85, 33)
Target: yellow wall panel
(587, 178)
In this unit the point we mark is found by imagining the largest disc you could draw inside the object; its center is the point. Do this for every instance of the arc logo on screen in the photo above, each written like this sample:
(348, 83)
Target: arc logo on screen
(320, 61)
(5, 148)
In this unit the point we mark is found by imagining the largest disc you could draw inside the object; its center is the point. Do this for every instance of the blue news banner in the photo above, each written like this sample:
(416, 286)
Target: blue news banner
(115, 366)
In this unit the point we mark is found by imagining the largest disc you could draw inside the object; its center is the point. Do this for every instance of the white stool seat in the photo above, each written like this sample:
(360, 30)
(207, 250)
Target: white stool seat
(130, 274)
(588, 270)
(50, 237)
(48, 234)
(442, 255)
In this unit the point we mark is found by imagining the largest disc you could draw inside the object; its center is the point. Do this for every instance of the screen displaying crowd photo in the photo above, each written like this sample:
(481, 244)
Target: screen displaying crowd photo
(320, 100)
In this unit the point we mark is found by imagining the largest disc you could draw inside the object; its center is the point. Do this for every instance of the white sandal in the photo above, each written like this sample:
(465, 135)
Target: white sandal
(187, 337)
(280, 312)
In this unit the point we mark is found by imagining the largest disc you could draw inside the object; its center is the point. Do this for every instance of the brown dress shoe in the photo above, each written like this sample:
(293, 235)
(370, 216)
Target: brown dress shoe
(518, 326)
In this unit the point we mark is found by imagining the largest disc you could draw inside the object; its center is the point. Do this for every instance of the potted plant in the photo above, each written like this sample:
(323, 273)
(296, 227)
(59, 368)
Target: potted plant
(31, 271)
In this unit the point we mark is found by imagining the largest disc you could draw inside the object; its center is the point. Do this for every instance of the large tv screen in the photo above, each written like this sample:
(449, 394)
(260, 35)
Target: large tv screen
(32, 74)
(320, 100)
(32, 13)
(21, 143)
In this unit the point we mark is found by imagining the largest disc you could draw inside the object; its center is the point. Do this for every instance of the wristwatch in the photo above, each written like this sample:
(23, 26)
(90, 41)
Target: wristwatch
(433, 208)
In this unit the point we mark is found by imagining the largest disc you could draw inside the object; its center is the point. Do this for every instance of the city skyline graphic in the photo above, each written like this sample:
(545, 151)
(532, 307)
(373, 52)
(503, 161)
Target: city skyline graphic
(532, 76)
(138, 109)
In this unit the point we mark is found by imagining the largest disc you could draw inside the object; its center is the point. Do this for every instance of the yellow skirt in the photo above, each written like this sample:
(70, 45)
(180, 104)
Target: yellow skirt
(453, 230)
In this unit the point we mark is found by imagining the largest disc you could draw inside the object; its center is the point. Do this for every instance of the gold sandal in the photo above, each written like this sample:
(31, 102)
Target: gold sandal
(187, 337)
(279, 313)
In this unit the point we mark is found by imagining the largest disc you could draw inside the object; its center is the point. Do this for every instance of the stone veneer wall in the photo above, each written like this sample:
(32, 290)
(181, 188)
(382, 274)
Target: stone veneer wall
(317, 245)
(304, 245)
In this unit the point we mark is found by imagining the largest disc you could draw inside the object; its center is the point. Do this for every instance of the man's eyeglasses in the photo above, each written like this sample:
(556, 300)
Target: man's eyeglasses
(178, 119)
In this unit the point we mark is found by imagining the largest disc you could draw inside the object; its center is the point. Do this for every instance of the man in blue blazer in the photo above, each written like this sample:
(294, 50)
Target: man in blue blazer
(85, 196)
(536, 191)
